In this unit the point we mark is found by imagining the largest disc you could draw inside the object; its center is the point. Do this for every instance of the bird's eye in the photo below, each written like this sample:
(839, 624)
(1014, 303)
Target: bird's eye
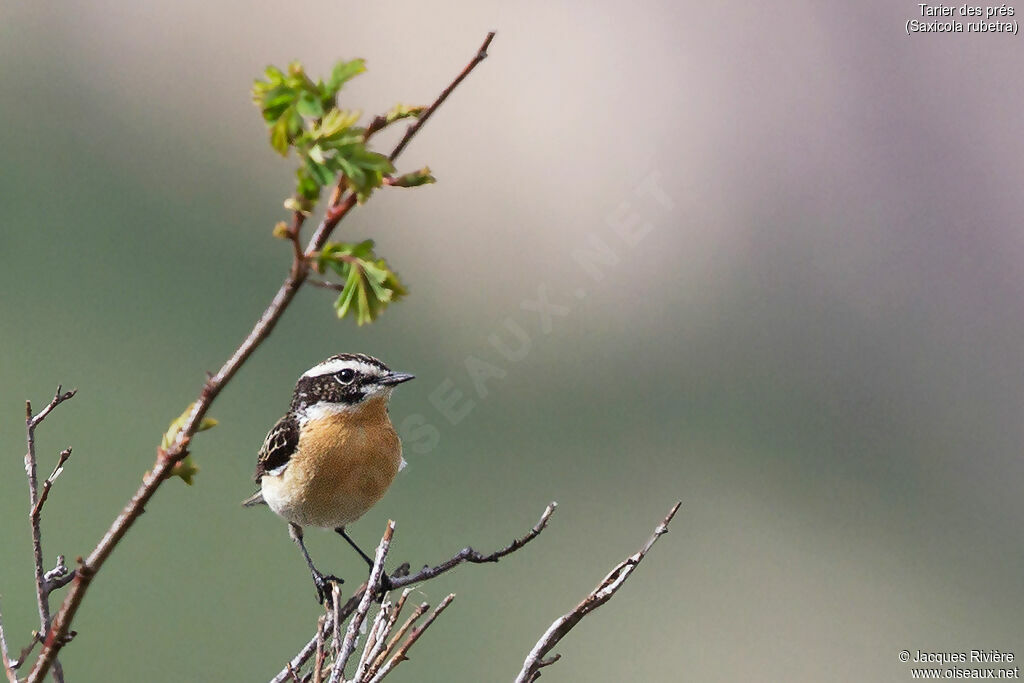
(346, 376)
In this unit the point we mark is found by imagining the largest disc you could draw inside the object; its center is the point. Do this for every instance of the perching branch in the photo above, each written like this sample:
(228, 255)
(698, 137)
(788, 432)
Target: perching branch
(401, 579)
(374, 663)
(597, 597)
(57, 633)
(356, 622)
(467, 554)
(44, 580)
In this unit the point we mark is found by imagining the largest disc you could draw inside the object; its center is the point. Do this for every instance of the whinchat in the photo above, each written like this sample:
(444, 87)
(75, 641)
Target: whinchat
(334, 453)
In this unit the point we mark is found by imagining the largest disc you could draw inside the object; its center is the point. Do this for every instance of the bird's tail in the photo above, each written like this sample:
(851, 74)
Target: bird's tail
(254, 499)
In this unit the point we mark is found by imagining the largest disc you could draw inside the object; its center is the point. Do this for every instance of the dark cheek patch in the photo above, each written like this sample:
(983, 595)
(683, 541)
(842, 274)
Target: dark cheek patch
(312, 390)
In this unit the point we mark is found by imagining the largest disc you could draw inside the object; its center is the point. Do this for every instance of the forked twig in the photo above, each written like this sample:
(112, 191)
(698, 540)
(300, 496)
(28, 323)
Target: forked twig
(597, 597)
(36, 500)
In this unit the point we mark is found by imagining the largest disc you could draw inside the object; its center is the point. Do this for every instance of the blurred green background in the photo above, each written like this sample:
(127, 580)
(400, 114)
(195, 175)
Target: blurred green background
(816, 344)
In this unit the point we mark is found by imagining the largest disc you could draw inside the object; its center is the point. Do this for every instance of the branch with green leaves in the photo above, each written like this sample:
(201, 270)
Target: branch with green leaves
(303, 116)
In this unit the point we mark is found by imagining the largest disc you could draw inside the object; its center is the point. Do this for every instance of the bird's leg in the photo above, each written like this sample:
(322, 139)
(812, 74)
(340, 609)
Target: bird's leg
(385, 582)
(323, 591)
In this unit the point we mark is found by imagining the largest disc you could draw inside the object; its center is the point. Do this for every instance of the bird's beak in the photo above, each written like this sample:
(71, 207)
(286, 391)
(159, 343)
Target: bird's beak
(396, 378)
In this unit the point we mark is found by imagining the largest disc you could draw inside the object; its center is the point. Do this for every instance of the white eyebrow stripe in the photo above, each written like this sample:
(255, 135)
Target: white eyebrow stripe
(331, 367)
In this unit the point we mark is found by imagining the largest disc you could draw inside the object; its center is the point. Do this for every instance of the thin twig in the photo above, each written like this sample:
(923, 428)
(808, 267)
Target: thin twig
(481, 55)
(167, 459)
(420, 610)
(356, 622)
(323, 284)
(375, 639)
(36, 504)
(340, 207)
(403, 652)
(467, 554)
(318, 670)
(371, 654)
(48, 482)
(597, 597)
(5, 657)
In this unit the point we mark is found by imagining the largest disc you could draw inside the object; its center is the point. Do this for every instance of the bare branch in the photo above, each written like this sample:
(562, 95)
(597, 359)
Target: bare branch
(403, 652)
(481, 55)
(420, 610)
(5, 658)
(467, 554)
(56, 635)
(356, 622)
(597, 597)
(36, 504)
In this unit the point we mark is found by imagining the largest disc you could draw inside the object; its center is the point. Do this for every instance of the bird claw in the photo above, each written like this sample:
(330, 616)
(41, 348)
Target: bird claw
(324, 590)
(383, 588)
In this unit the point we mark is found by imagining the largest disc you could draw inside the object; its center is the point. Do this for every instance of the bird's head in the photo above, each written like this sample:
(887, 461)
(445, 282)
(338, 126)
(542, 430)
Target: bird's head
(345, 382)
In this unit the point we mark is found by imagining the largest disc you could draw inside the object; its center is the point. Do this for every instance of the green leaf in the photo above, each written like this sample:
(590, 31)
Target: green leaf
(343, 72)
(415, 178)
(279, 136)
(402, 111)
(335, 122)
(369, 283)
(186, 468)
(309, 105)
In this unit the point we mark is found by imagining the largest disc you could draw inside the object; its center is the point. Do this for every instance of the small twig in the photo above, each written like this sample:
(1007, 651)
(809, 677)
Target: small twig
(48, 482)
(318, 662)
(58, 577)
(420, 610)
(36, 501)
(295, 676)
(339, 207)
(403, 652)
(375, 639)
(5, 657)
(323, 284)
(374, 656)
(481, 55)
(356, 622)
(467, 554)
(336, 612)
(597, 597)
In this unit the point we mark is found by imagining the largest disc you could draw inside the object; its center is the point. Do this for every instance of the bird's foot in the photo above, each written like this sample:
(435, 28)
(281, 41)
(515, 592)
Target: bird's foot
(383, 588)
(324, 589)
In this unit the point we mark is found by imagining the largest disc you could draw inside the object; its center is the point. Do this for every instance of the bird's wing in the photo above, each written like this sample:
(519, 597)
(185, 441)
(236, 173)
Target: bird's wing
(278, 447)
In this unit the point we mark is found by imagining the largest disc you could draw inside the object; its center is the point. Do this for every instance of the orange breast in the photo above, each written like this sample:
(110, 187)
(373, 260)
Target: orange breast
(348, 461)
